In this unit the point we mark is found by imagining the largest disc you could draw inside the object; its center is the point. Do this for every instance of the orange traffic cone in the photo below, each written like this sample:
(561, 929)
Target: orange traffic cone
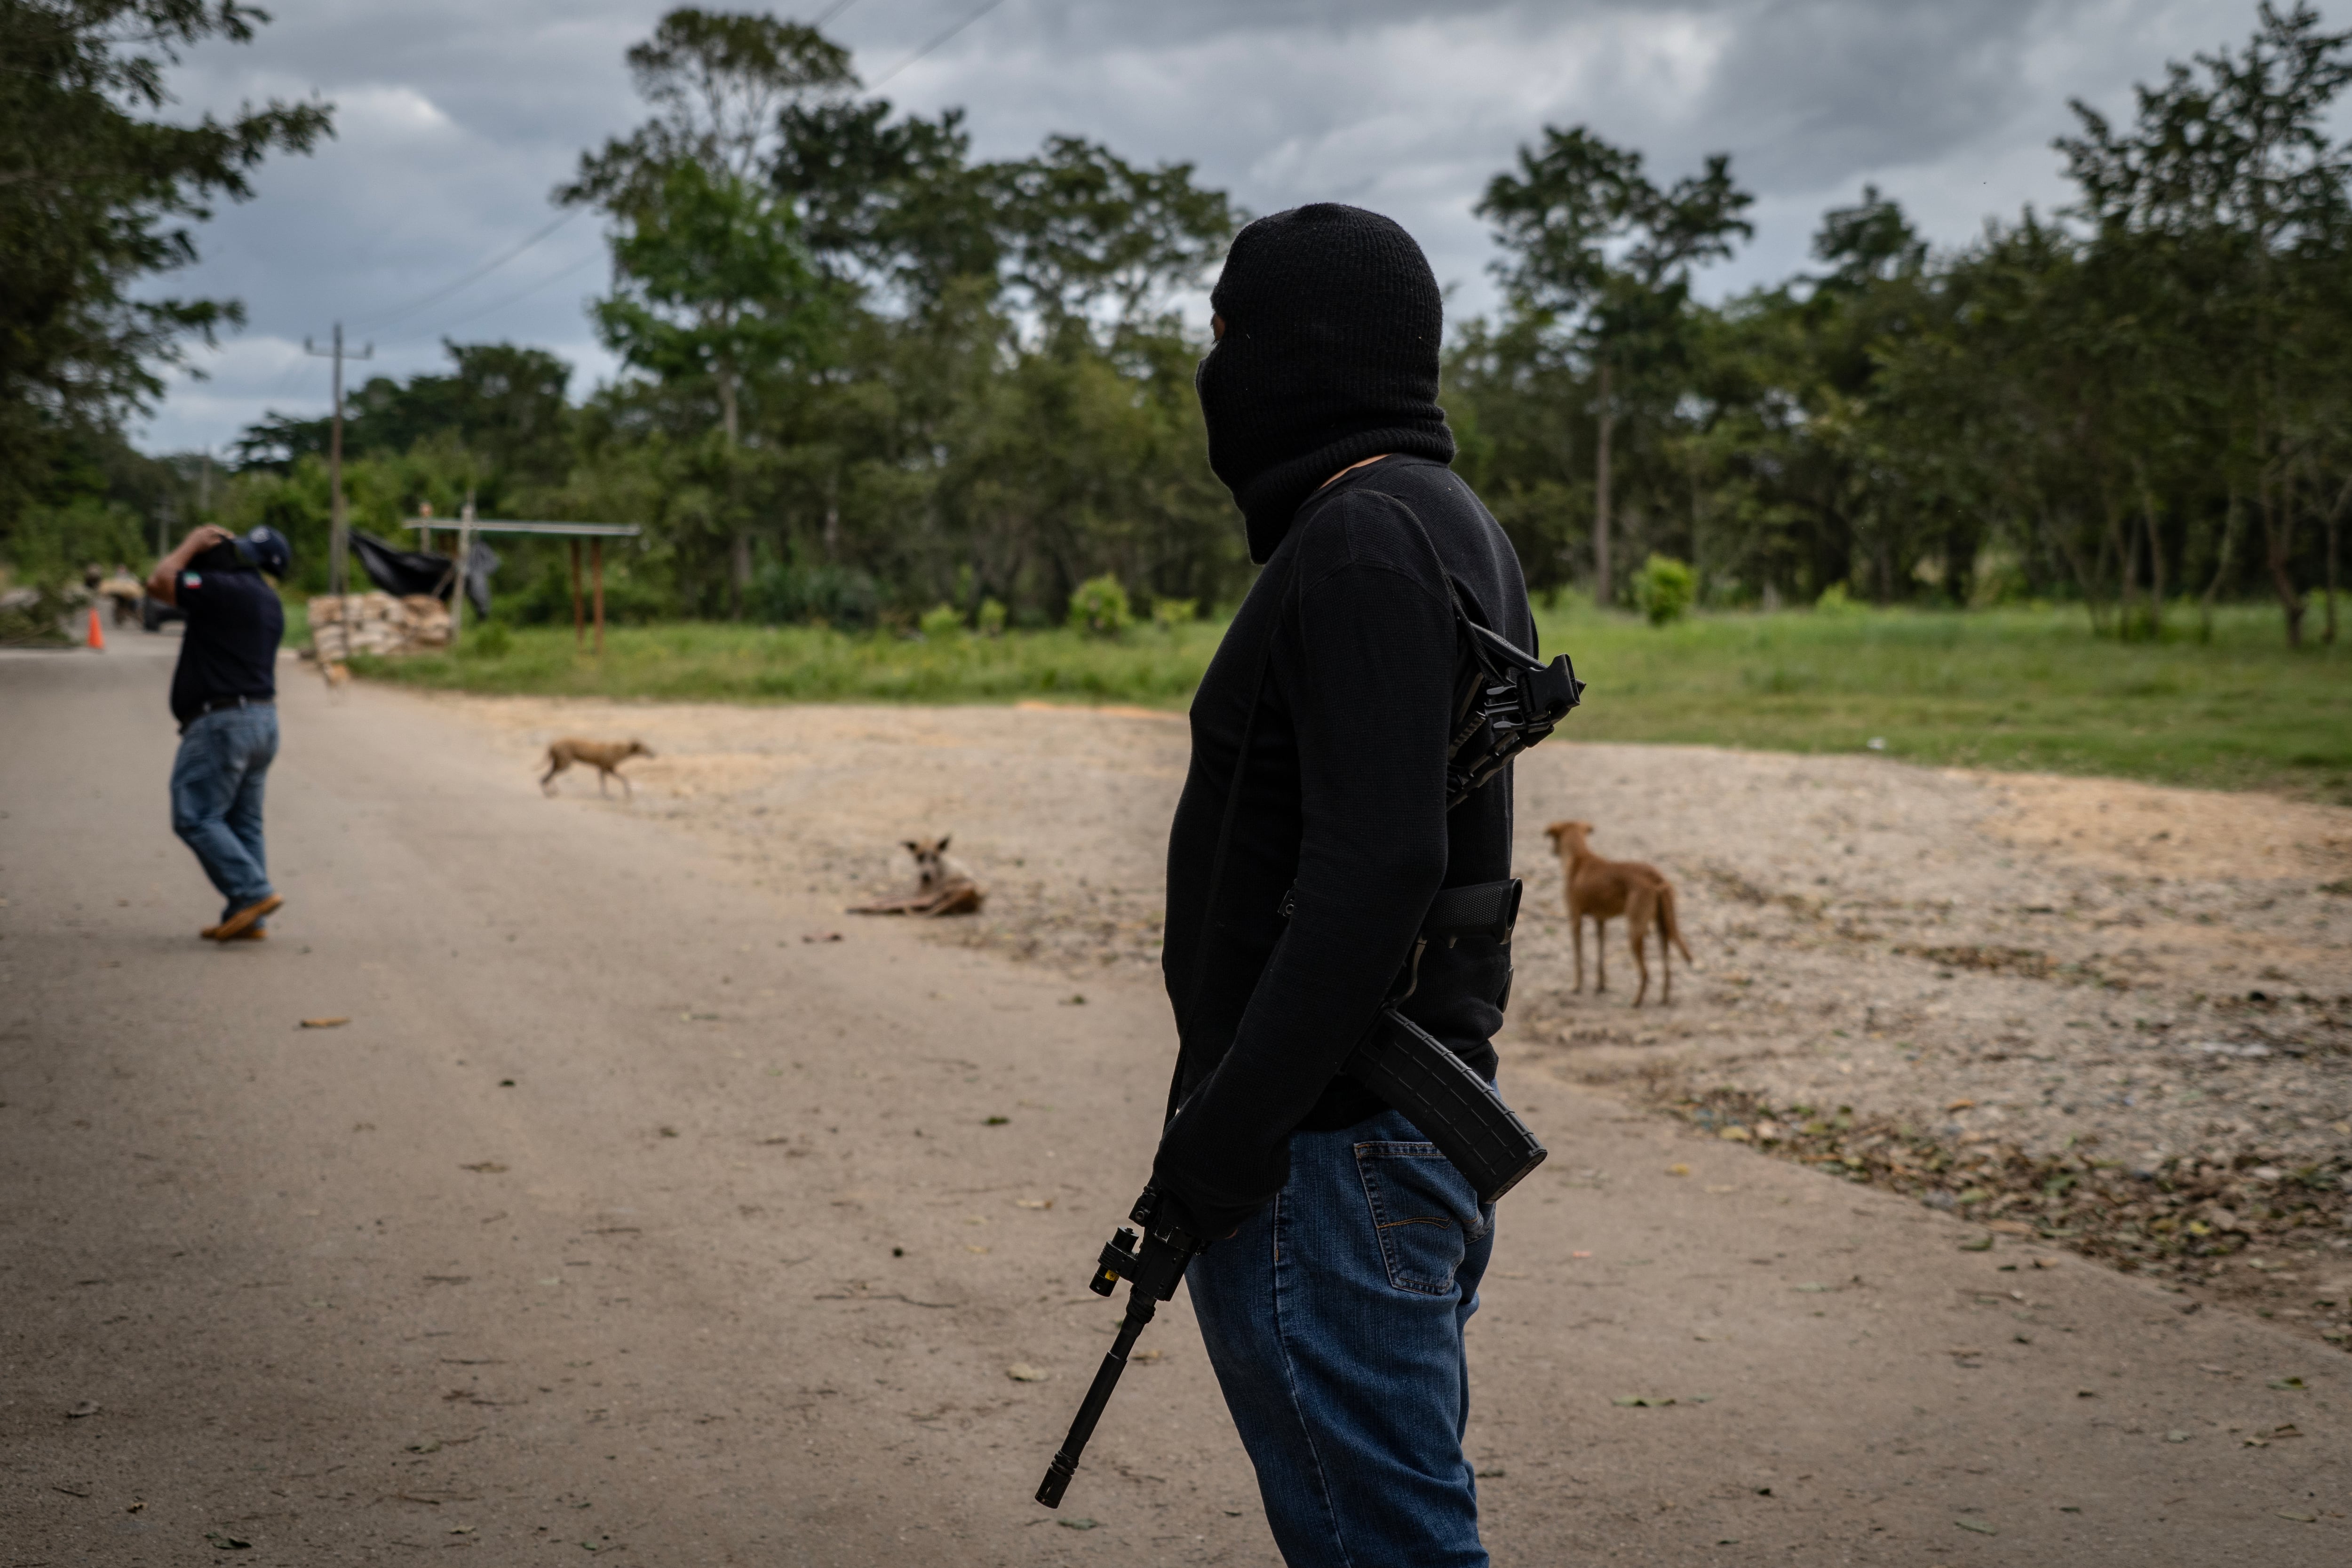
(96, 637)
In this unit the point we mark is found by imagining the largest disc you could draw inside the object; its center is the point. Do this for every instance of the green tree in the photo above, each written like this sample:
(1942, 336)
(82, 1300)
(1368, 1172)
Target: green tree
(2230, 182)
(1597, 248)
(99, 194)
(505, 402)
(714, 288)
(1087, 231)
(891, 205)
(719, 83)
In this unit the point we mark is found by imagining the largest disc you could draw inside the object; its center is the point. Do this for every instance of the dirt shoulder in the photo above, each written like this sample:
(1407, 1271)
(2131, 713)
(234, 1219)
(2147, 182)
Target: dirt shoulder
(1971, 987)
(618, 1217)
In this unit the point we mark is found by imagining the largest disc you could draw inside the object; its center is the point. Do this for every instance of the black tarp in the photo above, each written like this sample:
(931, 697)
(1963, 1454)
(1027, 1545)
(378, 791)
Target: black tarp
(406, 571)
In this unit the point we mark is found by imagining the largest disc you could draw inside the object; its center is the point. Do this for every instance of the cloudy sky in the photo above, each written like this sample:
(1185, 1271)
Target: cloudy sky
(454, 118)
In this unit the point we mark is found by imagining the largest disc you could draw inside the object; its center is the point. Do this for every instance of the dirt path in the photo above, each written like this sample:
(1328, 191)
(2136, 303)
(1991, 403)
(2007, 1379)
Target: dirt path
(732, 1269)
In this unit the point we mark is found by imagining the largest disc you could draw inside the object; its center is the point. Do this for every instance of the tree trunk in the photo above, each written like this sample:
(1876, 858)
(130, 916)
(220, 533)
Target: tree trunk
(729, 419)
(1698, 536)
(2125, 544)
(1602, 594)
(2335, 517)
(2154, 560)
(2328, 635)
(2221, 568)
(2087, 578)
(2278, 535)
(739, 582)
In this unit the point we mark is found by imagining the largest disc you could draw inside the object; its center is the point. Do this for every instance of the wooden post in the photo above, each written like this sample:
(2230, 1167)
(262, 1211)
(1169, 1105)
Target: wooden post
(578, 629)
(458, 590)
(596, 558)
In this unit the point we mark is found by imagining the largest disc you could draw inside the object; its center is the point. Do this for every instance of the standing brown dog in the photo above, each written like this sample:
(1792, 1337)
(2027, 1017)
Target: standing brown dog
(1605, 889)
(605, 756)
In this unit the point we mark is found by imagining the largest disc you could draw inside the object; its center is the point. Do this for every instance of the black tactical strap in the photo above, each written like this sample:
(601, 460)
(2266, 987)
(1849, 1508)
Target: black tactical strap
(1476, 909)
(1481, 909)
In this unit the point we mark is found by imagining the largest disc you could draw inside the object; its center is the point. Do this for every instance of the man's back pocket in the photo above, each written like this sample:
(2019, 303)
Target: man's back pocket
(1424, 1212)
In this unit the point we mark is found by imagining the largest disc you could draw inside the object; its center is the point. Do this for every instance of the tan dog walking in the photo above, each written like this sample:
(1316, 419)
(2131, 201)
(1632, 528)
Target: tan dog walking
(1607, 889)
(605, 756)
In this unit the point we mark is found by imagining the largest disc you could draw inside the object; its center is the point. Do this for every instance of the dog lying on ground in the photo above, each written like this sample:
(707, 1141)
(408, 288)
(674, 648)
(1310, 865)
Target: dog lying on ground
(605, 756)
(1606, 889)
(943, 885)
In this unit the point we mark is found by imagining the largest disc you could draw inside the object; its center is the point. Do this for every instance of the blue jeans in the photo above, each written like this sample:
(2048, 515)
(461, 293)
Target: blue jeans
(1334, 1321)
(217, 783)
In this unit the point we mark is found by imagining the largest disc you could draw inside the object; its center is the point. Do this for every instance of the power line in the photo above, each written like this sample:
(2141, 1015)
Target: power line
(830, 12)
(935, 43)
(484, 270)
(511, 298)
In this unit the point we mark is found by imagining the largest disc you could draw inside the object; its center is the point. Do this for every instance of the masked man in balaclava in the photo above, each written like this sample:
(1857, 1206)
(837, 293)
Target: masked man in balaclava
(1311, 837)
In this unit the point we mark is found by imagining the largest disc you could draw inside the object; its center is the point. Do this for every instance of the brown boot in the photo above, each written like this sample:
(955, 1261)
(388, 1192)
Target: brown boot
(238, 923)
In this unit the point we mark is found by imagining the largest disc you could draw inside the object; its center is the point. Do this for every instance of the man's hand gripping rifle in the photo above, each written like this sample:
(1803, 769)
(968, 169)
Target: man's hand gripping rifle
(1150, 1256)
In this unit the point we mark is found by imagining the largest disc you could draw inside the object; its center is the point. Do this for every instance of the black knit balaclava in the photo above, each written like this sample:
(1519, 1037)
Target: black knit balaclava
(1332, 323)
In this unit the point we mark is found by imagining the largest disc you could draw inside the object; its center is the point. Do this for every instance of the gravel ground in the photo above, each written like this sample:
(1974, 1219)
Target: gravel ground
(2113, 1014)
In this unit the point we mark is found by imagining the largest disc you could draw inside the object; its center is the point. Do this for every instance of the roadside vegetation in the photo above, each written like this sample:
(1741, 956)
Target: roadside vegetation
(2025, 688)
(717, 662)
(865, 370)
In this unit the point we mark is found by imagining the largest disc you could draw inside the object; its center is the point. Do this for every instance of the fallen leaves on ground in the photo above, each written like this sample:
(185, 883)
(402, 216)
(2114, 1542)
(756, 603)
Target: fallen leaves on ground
(2177, 1217)
(87, 1407)
(324, 1023)
(1022, 1372)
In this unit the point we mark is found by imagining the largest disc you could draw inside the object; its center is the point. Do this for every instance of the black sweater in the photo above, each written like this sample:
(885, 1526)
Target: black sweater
(1344, 797)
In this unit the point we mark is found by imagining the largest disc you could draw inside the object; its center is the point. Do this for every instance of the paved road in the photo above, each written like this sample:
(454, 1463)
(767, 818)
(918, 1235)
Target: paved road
(619, 1216)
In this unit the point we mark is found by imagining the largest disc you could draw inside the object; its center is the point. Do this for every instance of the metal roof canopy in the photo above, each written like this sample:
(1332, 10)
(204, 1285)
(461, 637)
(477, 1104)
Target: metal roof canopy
(465, 525)
(571, 530)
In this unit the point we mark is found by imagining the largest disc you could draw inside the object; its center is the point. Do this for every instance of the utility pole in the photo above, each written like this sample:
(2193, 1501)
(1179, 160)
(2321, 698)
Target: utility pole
(338, 527)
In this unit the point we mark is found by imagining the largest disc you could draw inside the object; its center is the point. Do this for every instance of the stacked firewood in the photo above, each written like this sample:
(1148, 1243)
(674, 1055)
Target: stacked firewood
(377, 624)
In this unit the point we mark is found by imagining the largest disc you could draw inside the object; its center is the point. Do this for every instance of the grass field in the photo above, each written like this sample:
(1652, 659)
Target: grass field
(707, 662)
(2028, 689)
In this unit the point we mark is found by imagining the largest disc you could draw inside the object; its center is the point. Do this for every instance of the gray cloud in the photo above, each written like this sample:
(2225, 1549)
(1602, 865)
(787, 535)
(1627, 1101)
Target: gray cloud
(455, 121)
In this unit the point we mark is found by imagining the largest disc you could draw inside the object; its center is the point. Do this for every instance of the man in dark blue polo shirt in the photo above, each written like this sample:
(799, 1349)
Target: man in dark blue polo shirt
(225, 695)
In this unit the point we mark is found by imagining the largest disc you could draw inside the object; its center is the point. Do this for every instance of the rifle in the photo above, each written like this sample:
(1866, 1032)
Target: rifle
(1505, 700)
(1152, 1257)
(1452, 1105)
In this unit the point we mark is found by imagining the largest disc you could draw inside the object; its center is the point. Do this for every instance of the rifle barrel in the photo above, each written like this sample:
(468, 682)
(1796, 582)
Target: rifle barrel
(1139, 1310)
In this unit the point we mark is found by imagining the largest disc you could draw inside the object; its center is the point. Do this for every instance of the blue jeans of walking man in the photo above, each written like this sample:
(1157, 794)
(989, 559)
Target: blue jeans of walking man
(1334, 1321)
(217, 784)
